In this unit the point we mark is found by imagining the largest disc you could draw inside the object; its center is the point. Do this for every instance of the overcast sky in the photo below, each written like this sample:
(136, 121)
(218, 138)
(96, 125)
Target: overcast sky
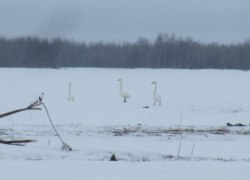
(223, 21)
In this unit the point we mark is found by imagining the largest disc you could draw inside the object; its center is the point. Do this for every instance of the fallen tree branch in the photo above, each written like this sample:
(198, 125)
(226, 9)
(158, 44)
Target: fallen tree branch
(18, 110)
(16, 142)
(32, 106)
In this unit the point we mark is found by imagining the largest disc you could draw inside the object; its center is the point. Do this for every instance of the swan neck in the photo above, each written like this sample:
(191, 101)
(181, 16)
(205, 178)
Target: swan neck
(69, 88)
(155, 89)
(120, 86)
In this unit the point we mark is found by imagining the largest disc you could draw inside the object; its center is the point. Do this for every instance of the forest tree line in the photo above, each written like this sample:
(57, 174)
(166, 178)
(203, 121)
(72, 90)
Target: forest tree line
(166, 51)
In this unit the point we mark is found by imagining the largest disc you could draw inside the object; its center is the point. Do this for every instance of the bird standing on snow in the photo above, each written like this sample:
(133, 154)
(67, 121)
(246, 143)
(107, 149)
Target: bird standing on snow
(123, 94)
(70, 95)
(156, 97)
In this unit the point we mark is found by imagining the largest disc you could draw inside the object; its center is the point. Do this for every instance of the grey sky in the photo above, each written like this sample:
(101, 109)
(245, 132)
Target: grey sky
(223, 21)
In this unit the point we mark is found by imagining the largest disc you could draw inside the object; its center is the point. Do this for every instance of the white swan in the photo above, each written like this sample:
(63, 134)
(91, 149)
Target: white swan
(156, 97)
(123, 94)
(70, 95)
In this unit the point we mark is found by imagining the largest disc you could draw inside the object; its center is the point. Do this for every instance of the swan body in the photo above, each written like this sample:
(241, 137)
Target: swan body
(123, 94)
(70, 95)
(156, 97)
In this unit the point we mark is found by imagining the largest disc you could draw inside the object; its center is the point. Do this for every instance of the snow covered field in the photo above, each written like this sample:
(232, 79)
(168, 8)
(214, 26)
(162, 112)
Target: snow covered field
(191, 123)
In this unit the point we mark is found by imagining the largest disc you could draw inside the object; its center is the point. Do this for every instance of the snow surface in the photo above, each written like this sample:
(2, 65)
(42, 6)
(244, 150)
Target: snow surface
(145, 140)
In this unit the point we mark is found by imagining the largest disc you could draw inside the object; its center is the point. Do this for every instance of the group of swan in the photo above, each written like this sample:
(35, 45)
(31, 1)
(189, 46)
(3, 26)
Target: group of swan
(125, 95)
